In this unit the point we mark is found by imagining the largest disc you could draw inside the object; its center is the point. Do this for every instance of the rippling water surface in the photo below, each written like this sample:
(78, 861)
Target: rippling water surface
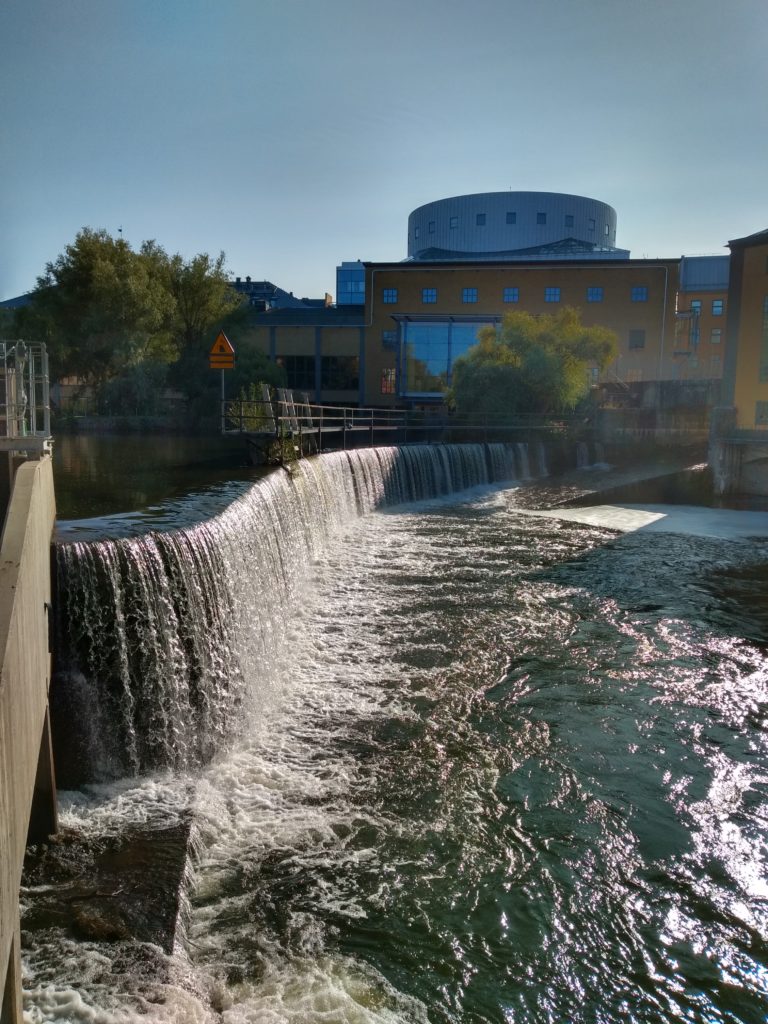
(506, 770)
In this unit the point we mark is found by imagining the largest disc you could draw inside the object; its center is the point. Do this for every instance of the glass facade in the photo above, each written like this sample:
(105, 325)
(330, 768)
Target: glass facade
(388, 381)
(429, 350)
(299, 372)
(340, 373)
(350, 284)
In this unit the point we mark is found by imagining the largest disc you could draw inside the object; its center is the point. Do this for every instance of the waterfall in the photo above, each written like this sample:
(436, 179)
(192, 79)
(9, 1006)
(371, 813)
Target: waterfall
(523, 463)
(165, 641)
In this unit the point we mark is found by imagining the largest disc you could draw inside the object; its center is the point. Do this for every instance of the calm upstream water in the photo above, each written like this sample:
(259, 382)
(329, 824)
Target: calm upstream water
(486, 768)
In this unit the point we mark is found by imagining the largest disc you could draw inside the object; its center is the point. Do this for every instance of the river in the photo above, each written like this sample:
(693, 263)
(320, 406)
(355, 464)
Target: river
(500, 768)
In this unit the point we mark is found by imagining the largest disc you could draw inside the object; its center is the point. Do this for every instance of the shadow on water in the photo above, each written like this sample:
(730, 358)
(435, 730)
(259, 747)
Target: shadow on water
(103, 474)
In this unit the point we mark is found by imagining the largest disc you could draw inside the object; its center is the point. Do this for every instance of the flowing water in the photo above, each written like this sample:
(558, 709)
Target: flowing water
(446, 762)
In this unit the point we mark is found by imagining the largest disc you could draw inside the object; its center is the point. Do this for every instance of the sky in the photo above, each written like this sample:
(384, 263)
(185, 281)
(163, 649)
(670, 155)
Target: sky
(293, 134)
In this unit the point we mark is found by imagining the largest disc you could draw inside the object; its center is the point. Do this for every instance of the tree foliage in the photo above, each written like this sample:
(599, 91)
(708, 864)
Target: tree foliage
(530, 365)
(104, 308)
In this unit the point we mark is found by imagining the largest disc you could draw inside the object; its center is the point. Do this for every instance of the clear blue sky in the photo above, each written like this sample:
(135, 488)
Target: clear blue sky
(293, 134)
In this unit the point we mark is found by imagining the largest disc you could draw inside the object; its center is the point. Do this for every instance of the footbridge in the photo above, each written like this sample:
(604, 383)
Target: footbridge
(287, 424)
(27, 788)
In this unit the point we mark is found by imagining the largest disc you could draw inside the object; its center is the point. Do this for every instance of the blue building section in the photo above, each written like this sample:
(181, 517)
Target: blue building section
(350, 283)
(704, 273)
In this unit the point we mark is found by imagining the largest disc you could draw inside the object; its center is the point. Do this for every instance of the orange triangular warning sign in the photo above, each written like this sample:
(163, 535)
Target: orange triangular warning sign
(222, 346)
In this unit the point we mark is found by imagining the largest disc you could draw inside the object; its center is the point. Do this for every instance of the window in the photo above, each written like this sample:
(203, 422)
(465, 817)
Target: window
(389, 340)
(469, 294)
(511, 217)
(569, 220)
(716, 336)
(591, 223)
(607, 231)
(717, 307)
(637, 338)
(388, 381)
(431, 227)
(761, 414)
(541, 218)
(480, 220)
(511, 294)
(696, 306)
(716, 363)
(454, 222)
(340, 373)
(639, 293)
(429, 294)
(594, 294)
(551, 294)
(416, 231)
(299, 372)
(429, 349)
(389, 296)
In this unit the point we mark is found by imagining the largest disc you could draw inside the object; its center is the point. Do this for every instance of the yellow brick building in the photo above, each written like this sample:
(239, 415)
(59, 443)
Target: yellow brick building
(418, 317)
(746, 367)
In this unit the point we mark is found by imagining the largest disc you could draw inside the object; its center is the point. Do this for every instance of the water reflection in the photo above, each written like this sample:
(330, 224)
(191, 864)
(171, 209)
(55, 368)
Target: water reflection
(139, 481)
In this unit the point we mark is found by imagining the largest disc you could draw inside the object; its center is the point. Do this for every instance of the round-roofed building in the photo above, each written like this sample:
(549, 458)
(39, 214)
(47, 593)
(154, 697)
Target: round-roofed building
(513, 225)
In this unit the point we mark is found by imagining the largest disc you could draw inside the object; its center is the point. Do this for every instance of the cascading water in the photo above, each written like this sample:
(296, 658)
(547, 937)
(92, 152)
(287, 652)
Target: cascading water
(158, 633)
(582, 455)
(501, 767)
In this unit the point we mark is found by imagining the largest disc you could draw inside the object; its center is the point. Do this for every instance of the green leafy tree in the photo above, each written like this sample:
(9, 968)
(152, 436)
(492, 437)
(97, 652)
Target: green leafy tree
(202, 298)
(530, 365)
(99, 306)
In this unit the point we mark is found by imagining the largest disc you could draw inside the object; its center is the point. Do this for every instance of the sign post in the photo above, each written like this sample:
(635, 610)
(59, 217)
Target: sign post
(222, 357)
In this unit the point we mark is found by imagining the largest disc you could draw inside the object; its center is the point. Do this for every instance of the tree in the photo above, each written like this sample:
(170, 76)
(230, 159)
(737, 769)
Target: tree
(202, 297)
(530, 365)
(98, 306)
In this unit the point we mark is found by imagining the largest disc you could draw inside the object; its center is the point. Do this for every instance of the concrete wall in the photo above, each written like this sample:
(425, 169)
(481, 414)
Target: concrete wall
(25, 596)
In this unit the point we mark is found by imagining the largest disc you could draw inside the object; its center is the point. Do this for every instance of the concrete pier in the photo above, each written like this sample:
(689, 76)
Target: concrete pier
(27, 787)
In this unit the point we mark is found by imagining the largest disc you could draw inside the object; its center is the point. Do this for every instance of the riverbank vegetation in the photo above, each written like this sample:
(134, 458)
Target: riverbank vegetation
(130, 329)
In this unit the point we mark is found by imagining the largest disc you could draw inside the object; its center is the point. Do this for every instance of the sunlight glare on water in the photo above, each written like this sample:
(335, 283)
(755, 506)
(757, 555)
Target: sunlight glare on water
(514, 770)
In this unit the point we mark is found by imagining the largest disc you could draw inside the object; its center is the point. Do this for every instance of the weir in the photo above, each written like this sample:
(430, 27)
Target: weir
(165, 640)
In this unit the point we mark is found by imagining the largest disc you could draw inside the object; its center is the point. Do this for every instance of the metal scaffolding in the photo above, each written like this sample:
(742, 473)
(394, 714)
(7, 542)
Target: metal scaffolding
(25, 408)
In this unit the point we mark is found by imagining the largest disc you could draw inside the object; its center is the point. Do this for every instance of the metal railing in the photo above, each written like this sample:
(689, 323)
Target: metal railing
(25, 408)
(289, 416)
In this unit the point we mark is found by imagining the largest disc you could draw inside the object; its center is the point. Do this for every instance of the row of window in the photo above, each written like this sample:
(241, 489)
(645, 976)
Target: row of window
(337, 373)
(717, 306)
(639, 293)
(511, 218)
